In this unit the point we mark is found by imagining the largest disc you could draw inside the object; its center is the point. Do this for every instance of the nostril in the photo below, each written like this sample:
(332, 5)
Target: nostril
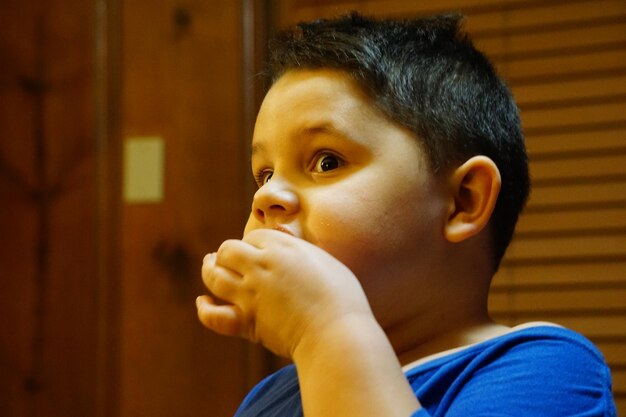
(274, 199)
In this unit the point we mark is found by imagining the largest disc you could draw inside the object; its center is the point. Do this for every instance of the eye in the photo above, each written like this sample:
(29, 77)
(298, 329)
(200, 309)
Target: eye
(263, 177)
(327, 162)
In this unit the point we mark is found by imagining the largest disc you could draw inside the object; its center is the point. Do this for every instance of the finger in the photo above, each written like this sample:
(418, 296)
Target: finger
(222, 282)
(237, 255)
(223, 319)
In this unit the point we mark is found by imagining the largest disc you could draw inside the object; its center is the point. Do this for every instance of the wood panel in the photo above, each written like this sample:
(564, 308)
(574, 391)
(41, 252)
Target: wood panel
(49, 342)
(97, 301)
(566, 64)
(182, 82)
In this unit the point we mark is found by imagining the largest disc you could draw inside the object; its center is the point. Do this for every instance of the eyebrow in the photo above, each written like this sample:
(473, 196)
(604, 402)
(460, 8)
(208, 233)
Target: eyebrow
(324, 128)
(257, 148)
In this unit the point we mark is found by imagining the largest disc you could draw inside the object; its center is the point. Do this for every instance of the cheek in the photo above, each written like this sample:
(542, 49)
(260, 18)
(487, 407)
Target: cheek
(374, 235)
(359, 231)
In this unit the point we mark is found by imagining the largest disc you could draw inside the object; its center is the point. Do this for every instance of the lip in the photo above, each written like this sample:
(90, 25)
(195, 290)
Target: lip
(283, 229)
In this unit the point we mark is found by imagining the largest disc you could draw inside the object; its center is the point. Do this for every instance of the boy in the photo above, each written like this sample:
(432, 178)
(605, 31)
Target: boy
(391, 172)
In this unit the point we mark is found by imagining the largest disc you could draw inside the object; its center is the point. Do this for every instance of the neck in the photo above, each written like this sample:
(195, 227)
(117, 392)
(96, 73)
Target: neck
(443, 305)
(435, 329)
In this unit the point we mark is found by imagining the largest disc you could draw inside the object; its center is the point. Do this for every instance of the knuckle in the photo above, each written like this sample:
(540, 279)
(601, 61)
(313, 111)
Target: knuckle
(207, 275)
(219, 286)
(226, 246)
(226, 251)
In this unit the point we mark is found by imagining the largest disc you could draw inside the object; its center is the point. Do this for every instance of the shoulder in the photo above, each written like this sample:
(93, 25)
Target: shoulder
(550, 340)
(529, 370)
(549, 355)
(546, 350)
(555, 341)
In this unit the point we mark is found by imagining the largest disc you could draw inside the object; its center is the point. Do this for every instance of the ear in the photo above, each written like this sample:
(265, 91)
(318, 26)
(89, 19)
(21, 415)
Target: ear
(475, 186)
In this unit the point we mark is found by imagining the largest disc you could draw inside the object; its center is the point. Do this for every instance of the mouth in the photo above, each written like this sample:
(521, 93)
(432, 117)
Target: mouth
(283, 229)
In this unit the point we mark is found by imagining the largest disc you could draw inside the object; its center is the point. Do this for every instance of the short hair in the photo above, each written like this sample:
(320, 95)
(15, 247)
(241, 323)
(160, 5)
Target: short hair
(426, 75)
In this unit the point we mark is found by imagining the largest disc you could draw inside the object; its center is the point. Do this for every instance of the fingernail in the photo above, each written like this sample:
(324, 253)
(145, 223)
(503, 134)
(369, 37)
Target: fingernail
(209, 257)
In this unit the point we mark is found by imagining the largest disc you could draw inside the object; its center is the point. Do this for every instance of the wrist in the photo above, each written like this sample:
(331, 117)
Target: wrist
(352, 355)
(334, 339)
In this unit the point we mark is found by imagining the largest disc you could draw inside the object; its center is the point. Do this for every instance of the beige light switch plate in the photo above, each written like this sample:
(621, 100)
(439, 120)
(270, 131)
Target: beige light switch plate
(144, 165)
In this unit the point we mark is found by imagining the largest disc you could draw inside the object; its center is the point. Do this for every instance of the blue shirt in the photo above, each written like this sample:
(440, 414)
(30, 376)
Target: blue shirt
(535, 371)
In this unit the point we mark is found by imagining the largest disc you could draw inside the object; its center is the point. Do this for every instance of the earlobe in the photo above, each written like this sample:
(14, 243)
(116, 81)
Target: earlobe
(475, 186)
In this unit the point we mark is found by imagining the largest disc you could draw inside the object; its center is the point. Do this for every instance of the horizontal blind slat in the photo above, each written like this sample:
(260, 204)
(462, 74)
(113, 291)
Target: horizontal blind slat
(590, 64)
(601, 166)
(568, 247)
(577, 195)
(601, 113)
(536, 44)
(567, 300)
(307, 9)
(580, 220)
(570, 90)
(619, 385)
(548, 14)
(614, 353)
(577, 141)
(522, 276)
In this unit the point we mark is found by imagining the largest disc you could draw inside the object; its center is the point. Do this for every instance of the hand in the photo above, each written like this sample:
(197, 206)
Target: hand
(277, 290)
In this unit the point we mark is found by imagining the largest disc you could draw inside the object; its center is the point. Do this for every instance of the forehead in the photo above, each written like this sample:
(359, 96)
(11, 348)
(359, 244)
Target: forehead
(315, 90)
(316, 100)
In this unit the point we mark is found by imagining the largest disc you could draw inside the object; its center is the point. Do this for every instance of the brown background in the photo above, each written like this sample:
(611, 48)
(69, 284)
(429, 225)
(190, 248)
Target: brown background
(96, 296)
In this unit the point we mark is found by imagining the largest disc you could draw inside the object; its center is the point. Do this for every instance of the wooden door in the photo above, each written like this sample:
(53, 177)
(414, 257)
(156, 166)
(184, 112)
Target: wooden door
(98, 285)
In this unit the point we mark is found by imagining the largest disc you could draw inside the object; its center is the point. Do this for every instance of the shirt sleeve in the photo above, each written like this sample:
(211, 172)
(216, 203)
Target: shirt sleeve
(549, 378)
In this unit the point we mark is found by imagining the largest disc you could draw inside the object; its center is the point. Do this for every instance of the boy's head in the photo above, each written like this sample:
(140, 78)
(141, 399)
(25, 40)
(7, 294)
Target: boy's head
(426, 76)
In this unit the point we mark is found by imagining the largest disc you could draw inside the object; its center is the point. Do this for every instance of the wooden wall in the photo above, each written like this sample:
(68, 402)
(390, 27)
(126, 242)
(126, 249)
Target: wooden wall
(566, 64)
(48, 210)
(183, 82)
(97, 293)
(97, 300)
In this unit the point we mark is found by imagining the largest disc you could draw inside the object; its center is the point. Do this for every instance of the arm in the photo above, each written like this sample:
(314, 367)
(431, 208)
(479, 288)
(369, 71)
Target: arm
(300, 302)
(350, 369)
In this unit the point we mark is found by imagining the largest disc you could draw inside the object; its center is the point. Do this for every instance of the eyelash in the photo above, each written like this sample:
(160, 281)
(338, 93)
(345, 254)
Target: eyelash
(262, 177)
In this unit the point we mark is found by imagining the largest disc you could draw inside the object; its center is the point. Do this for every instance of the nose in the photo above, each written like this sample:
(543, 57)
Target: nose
(275, 202)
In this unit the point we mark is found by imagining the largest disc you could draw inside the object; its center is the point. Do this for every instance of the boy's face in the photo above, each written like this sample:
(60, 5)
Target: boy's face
(334, 171)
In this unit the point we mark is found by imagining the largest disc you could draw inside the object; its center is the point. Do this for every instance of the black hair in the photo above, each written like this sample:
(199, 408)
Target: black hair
(426, 75)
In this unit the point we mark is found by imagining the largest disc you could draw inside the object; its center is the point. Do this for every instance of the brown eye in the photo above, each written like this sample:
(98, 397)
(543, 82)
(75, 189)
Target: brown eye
(327, 163)
(263, 177)
(266, 177)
